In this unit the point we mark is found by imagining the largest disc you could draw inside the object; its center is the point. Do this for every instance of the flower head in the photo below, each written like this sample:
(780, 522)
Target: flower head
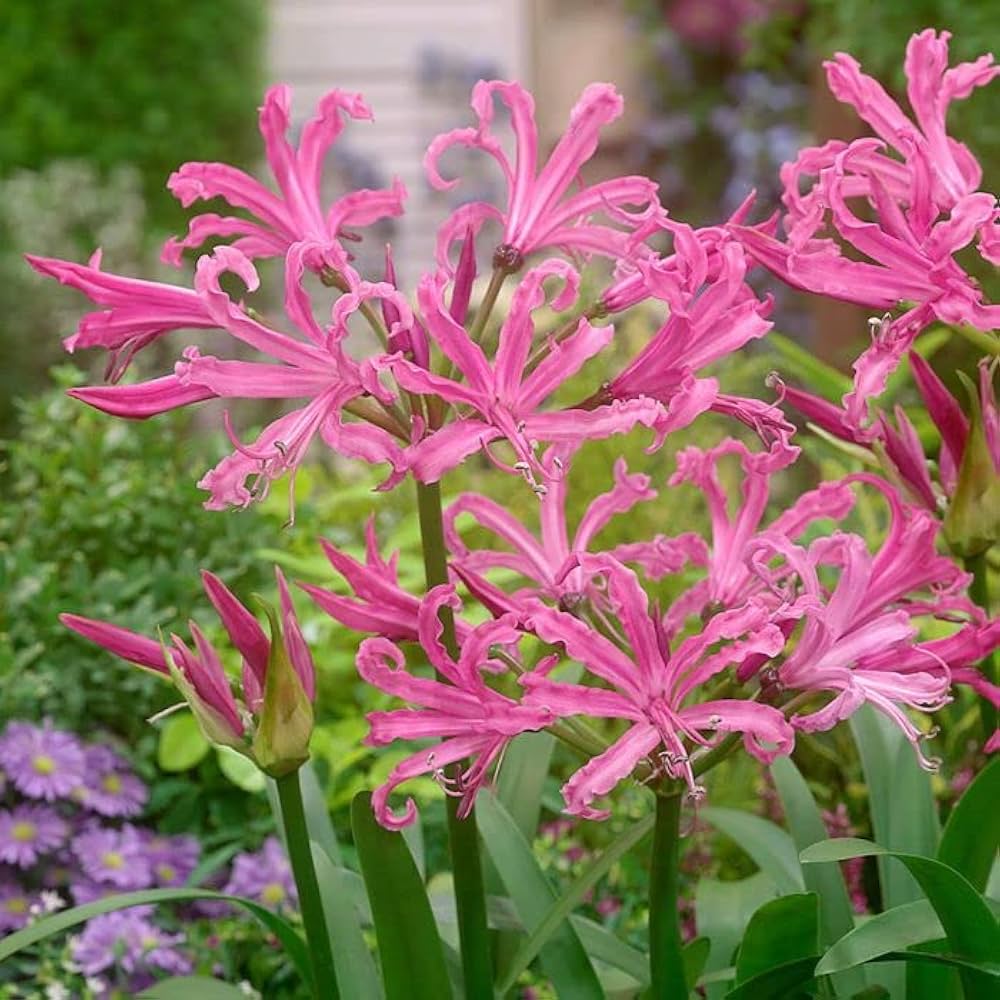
(171, 858)
(15, 905)
(656, 690)
(273, 669)
(28, 832)
(265, 876)
(129, 941)
(109, 787)
(538, 214)
(506, 395)
(470, 718)
(41, 762)
(113, 857)
(296, 214)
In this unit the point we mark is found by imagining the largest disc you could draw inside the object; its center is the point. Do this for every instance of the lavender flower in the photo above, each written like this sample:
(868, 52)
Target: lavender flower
(264, 875)
(15, 905)
(29, 831)
(113, 857)
(109, 788)
(131, 943)
(41, 762)
(171, 859)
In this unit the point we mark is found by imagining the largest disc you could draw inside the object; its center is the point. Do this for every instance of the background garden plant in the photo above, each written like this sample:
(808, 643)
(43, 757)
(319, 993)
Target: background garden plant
(767, 629)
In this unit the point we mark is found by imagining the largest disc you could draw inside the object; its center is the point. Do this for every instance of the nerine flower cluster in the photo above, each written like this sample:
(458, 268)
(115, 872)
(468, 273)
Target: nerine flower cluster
(794, 621)
(68, 837)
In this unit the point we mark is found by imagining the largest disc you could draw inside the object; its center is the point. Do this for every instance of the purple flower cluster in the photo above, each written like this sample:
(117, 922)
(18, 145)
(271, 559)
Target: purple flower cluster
(66, 839)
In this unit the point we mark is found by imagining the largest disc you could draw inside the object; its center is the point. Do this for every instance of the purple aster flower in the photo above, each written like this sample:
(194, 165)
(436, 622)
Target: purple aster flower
(109, 787)
(15, 905)
(130, 942)
(28, 831)
(113, 857)
(264, 875)
(41, 762)
(171, 859)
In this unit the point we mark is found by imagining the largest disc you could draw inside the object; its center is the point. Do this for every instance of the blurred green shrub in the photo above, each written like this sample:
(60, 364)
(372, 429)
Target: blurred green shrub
(67, 209)
(102, 517)
(149, 84)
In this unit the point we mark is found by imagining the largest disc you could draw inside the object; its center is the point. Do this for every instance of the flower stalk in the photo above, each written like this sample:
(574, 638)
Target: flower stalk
(666, 959)
(979, 591)
(293, 818)
(470, 890)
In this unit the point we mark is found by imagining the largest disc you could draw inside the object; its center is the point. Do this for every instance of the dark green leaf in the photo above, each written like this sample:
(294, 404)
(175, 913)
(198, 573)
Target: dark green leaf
(772, 850)
(722, 910)
(969, 924)
(783, 930)
(695, 956)
(562, 955)
(413, 966)
(190, 987)
(519, 786)
(972, 834)
(784, 982)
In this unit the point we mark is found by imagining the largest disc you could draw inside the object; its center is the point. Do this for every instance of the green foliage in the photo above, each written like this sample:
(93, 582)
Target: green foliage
(141, 84)
(102, 518)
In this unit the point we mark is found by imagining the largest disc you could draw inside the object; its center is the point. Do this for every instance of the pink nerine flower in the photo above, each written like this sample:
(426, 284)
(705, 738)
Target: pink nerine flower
(505, 394)
(296, 214)
(921, 211)
(550, 561)
(656, 689)
(313, 364)
(867, 612)
(731, 577)
(137, 311)
(199, 672)
(470, 718)
(538, 214)
(712, 314)
(379, 604)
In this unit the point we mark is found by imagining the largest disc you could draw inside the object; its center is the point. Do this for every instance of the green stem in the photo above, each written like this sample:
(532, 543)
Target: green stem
(293, 818)
(979, 591)
(467, 869)
(986, 342)
(497, 278)
(666, 960)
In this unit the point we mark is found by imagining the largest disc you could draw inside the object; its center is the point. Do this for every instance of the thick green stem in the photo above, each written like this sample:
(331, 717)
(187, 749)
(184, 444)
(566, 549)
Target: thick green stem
(979, 591)
(467, 869)
(666, 959)
(293, 818)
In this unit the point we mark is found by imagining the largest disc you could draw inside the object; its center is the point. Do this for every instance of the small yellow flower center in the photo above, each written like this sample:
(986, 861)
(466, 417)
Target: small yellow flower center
(24, 831)
(272, 893)
(112, 859)
(166, 873)
(111, 783)
(16, 904)
(148, 942)
(43, 763)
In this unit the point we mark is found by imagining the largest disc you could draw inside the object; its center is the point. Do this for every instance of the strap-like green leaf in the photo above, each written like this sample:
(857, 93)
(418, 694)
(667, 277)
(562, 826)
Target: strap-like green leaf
(562, 955)
(293, 945)
(972, 834)
(356, 972)
(972, 930)
(772, 850)
(190, 987)
(413, 966)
